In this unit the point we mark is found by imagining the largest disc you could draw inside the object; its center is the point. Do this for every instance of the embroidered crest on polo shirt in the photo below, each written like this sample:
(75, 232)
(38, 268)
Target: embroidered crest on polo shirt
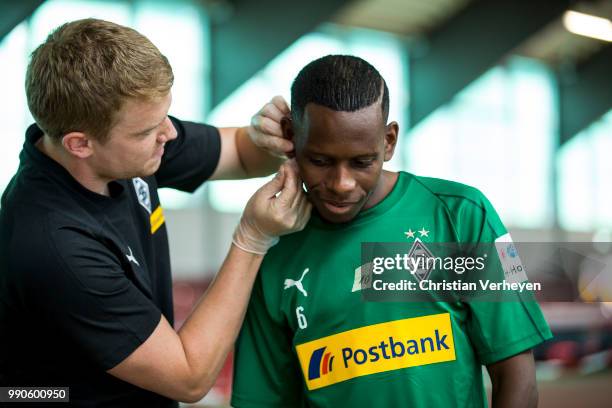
(142, 192)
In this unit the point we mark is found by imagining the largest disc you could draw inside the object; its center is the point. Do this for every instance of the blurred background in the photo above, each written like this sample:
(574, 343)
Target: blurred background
(513, 97)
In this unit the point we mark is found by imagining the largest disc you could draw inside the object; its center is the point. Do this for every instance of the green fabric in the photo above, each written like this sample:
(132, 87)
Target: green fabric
(267, 371)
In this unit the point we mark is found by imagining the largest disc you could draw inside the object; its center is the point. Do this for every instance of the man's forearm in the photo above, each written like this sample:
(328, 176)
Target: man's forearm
(210, 331)
(514, 382)
(255, 161)
(514, 394)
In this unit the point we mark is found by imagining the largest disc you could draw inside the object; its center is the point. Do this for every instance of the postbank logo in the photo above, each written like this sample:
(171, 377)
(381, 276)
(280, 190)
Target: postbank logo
(377, 348)
(315, 368)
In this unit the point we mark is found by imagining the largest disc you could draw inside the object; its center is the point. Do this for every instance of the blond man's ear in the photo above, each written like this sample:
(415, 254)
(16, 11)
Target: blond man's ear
(77, 144)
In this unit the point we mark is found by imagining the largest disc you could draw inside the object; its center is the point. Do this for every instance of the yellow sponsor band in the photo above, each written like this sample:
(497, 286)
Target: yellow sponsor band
(377, 348)
(157, 219)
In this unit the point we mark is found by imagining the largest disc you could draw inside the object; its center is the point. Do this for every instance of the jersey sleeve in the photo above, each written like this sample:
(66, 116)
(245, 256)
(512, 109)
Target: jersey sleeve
(498, 329)
(265, 369)
(191, 158)
(83, 290)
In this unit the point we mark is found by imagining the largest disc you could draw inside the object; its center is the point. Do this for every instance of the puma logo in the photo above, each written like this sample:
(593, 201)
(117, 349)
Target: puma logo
(298, 284)
(130, 257)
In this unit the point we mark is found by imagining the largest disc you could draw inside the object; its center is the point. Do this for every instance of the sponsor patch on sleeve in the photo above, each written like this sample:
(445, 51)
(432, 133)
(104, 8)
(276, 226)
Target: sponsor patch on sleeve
(514, 271)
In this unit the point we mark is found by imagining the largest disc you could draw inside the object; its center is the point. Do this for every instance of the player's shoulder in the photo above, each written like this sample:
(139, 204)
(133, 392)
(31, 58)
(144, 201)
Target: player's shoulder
(451, 191)
(465, 204)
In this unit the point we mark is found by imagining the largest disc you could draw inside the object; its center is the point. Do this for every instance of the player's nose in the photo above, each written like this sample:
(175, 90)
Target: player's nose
(341, 181)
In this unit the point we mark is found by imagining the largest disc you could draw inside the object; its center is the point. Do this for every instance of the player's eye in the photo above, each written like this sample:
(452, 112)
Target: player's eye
(363, 163)
(318, 161)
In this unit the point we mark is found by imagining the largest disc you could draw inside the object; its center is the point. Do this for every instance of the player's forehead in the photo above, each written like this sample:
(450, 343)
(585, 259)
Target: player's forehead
(360, 149)
(326, 130)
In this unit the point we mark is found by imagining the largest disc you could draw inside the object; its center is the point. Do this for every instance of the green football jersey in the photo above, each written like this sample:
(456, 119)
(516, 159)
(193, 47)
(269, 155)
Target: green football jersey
(309, 339)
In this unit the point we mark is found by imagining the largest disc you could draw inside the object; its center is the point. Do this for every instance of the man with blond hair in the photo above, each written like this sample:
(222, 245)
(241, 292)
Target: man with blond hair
(85, 282)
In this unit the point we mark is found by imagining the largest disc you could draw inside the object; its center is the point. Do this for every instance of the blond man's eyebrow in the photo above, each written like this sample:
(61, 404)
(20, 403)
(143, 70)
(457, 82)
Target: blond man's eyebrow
(149, 129)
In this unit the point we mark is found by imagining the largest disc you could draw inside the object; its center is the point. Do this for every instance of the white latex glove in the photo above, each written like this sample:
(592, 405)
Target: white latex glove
(265, 129)
(279, 207)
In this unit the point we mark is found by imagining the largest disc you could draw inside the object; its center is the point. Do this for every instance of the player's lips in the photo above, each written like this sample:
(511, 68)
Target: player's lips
(338, 207)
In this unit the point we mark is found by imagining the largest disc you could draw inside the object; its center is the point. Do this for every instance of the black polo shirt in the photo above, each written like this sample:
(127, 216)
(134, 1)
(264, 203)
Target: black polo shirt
(84, 278)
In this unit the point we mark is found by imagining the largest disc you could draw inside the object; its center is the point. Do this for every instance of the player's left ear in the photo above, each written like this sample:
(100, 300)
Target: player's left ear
(391, 131)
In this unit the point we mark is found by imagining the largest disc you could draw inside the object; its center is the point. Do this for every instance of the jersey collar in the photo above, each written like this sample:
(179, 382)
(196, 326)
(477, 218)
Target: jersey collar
(365, 216)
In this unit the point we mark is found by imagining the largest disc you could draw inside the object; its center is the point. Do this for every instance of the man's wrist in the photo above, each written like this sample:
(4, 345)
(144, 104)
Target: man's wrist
(251, 239)
(244, 250)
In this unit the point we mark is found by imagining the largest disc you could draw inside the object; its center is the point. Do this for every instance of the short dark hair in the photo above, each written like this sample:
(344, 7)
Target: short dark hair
(339, 82)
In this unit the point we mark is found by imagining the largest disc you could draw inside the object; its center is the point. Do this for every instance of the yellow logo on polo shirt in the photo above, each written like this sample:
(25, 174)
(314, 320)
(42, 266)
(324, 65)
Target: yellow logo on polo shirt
(377, 348)
(157, 219)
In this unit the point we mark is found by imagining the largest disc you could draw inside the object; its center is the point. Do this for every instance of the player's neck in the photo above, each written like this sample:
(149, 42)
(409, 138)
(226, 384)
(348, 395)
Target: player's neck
(383, 188)
(78, 168)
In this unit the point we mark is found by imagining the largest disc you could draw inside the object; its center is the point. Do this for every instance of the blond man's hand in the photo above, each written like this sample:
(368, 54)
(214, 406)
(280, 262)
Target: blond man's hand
(278, 208)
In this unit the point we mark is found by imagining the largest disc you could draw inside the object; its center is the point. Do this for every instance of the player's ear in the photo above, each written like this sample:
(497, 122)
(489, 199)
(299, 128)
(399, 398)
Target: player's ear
(77, 144)
(288, 133)
(391, 132)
